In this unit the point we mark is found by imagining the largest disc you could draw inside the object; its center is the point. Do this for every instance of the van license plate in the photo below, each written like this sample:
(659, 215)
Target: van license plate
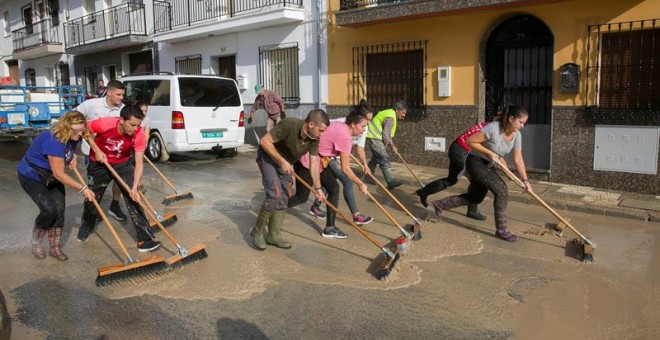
(212, 134)
(15, 118)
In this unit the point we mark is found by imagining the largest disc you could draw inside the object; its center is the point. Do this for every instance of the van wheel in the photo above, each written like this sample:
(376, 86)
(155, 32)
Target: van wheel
(226, 153)
(156, 150)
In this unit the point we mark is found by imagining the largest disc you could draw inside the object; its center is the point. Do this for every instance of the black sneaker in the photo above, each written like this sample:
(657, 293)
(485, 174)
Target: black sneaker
(115, 211)
(148, 245)
(83, 234)
(333, 232)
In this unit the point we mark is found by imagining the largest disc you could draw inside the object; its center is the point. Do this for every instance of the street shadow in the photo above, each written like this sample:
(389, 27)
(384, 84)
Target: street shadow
(238, 329)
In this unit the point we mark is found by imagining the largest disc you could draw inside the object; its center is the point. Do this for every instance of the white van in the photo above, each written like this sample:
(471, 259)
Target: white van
(188, 112)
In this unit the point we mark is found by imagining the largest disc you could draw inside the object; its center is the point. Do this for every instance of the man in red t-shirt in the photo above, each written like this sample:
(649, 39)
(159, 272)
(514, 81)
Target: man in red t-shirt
(119, 138)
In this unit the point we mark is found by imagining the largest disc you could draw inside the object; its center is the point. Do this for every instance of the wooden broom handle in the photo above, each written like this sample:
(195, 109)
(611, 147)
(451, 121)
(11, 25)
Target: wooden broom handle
(384, 210)
(538, 199)
(141, 202)
(159, 173)
(386, 191)
(409, 169)
(309, 187)
(103, 216)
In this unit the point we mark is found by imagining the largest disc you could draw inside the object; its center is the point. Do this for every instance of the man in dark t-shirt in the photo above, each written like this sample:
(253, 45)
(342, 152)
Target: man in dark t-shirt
(278, 150)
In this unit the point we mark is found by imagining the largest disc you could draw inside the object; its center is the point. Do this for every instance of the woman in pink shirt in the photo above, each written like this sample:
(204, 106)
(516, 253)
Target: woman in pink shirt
(336, 141)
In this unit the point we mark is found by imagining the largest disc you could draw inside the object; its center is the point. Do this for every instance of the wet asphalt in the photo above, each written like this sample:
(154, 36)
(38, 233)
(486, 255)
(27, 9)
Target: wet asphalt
(458, 282)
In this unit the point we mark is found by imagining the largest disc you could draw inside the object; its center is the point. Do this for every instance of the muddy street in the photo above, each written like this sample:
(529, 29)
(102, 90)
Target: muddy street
(457, 282)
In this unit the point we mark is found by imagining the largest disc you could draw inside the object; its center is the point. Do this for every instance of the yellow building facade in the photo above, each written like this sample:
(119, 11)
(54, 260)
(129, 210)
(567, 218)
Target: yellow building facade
(584, 69)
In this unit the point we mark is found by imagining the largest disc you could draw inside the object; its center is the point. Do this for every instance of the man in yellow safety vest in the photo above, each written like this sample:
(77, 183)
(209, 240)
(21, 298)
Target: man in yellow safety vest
(382, 129)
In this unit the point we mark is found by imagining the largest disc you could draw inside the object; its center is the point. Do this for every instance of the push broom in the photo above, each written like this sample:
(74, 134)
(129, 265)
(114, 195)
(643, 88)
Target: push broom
(391, 256)
(184, 256)
(409, 169)
(169, 199)
(416, 228)
(587, 245)
(131, 269)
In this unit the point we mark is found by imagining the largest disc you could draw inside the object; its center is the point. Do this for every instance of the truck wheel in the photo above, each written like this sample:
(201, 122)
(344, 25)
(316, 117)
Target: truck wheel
(156, 150)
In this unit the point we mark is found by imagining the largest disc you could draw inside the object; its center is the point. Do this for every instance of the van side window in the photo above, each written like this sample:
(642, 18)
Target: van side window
(157, 92)
(203, 92)
(134, 91)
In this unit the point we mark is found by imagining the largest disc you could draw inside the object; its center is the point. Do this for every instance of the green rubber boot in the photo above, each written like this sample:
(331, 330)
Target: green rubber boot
(389, 178)
(259, 229)
(275, 230)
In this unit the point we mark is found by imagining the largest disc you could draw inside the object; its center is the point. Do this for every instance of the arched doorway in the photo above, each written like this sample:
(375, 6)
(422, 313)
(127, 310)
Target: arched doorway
(518, 70)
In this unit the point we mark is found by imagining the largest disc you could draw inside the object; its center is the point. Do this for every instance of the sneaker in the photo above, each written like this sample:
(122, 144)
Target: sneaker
(316, 212)
(83, 234)
(148, 245)
(115, 211)
(333, 232)
(362, 220)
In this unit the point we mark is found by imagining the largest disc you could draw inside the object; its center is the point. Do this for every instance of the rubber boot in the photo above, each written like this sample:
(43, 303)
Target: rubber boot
(474, 213)
(389, 178)
(430, 189)
(54, 237)
(37, 237)
(275, 230)
(500, 224)
(259, 230)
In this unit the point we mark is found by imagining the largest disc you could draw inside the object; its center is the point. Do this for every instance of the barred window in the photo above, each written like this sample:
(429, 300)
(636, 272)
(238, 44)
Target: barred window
(191, 64)
(385, 74)
(278, 71)
(30, 77)
(623, 68)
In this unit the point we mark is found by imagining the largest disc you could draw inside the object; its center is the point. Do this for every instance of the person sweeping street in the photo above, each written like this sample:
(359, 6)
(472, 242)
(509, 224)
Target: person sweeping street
(271, 102)
(458, 151)
(336, 142)
(278, 150)
(336, 168)
(380, 137)
(122, 141)
(41, 173)
(496, 139)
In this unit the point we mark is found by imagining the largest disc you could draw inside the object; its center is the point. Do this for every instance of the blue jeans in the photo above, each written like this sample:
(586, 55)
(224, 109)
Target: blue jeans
(335, 169)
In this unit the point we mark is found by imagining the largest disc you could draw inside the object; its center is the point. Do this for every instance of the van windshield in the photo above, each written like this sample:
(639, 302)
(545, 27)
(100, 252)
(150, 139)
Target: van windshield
(205, 91)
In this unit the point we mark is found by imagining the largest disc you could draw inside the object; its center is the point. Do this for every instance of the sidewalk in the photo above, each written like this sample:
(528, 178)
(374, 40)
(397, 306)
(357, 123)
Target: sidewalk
(560, 197)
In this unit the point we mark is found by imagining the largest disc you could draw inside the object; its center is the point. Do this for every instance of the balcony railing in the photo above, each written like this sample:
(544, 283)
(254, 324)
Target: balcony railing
(39, 33)
(173, 14)
(354, 4)
(123, 20)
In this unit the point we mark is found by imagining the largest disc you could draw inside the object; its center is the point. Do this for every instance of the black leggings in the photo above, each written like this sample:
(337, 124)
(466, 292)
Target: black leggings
(328, 182)
(50, 201)
(98, 178)
(484, 178)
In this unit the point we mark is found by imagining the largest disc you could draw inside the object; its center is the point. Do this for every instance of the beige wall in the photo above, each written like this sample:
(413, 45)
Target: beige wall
(455, 40)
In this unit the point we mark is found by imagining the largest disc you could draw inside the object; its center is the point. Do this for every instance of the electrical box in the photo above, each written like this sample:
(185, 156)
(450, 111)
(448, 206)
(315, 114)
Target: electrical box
(242, 82)
(434, 144)
(627, 149)
(444, 81)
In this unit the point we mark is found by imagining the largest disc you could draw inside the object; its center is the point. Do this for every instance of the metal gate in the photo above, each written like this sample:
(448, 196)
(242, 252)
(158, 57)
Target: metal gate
(519, 56)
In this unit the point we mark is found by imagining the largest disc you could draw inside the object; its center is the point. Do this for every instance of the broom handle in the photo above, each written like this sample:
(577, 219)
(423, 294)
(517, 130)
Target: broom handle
(160, 173)
(309, 187)
(386, 191)
(545, 205)
(409, 169)
(105, 218)
(142, 202)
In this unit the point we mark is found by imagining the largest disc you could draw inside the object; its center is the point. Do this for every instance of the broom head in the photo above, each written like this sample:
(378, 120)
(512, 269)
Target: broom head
(195, 253)
(385, 267)
(169, 199)
(143, 269)
(168, 220)
(415, 229)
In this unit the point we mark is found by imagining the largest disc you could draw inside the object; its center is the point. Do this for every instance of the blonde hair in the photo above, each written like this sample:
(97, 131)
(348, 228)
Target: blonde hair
(62, 129)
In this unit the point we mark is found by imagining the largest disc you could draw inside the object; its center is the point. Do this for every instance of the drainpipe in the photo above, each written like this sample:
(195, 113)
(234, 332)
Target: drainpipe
(319, 59)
